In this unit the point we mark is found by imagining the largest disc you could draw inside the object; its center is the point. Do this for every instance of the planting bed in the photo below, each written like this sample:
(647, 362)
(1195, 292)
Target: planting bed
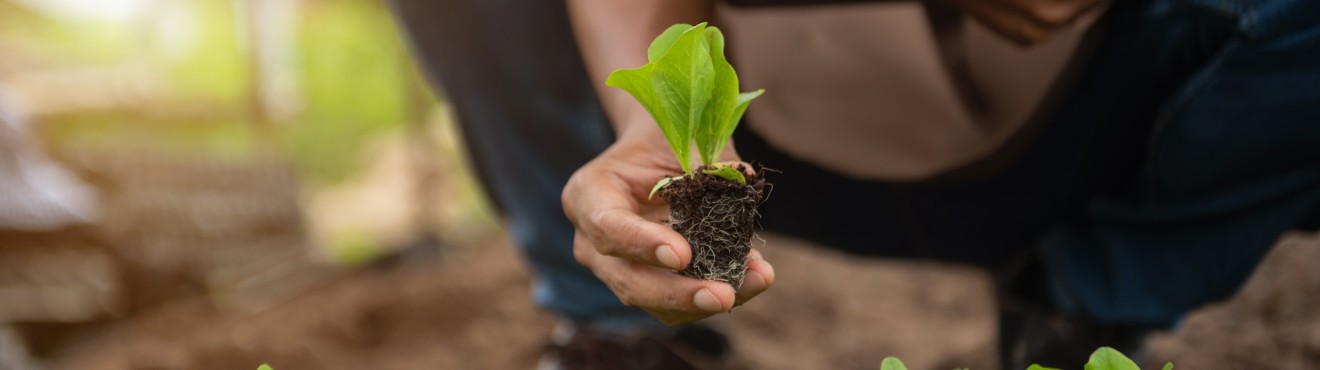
(828, 311)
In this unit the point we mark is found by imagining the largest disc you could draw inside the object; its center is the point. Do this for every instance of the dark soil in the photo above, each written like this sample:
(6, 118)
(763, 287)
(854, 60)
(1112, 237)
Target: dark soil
(717, 217)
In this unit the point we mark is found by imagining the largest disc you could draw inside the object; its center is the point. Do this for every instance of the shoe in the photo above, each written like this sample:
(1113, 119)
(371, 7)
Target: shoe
(1032, 330)
(1055, 340)
(688, 347)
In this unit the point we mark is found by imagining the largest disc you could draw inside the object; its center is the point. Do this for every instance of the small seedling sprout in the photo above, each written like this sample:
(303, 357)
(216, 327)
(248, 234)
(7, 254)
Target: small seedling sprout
(691, 91)
(1104, 358)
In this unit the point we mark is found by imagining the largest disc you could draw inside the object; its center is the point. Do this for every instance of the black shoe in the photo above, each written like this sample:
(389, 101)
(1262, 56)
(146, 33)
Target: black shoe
(1032, 330)
(688, 347)
(1059, 341)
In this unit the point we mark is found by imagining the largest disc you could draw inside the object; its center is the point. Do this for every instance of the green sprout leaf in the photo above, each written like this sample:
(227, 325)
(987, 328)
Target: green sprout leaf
(662, 184)
(892, 363)
(690, 89)
(744, 99)
(728, 173)
(1107, 358)
(665, 40)
(637, 82)
(1104, 358)
(683, 80)
(264, 367)
(724, 97)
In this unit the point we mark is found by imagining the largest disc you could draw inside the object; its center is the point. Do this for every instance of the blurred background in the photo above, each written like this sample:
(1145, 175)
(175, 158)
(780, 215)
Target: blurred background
(213, 184)
(231, 152)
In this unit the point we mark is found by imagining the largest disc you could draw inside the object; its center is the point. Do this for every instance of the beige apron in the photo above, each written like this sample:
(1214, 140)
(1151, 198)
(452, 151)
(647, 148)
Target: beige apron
(861, 89)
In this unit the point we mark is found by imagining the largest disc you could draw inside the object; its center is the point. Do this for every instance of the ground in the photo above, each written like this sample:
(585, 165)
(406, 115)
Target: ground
(470, 309)
(1273, 323)
(466, 304)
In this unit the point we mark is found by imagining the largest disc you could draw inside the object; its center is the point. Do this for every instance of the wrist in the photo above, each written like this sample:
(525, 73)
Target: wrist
(642, 128)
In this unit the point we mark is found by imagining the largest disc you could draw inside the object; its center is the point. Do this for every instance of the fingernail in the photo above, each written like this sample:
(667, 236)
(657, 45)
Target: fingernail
(706, 301)
(665, 254)
(754, 282)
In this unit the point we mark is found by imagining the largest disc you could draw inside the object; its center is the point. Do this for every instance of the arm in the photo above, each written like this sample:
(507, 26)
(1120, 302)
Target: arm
(614, 34)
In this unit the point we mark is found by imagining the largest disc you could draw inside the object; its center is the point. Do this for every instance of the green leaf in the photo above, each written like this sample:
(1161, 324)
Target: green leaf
(728, 173)
(264, 367)
(637, 82)
(690, 89)
(892, 363)
(731, 122)
(1107, 358)
(1168, 366)
(665, 40)
(682, 80)
(710, 134)
(1038, 367)
(662, 184)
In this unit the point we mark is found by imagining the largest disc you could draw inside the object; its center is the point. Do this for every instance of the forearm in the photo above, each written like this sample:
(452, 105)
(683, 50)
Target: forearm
(614, 34)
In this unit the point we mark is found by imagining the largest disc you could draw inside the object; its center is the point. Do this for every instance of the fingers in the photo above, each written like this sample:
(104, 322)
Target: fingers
(1055, 15)
(672, 298)
(760, 276)
(612, 224)
(623, 234)
(669, 297)
(1003, 19)
(1026, 22)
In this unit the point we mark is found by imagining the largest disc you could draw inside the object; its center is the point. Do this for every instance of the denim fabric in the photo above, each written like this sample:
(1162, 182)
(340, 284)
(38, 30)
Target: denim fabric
(1231, 162)
(529, 118)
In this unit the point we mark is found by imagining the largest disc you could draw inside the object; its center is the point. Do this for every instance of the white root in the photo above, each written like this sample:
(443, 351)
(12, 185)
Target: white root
(723, 220)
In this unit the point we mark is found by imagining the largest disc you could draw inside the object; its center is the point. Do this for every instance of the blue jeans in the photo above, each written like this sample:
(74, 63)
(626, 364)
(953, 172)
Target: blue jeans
(1231, 162)
(529, 118)
(1173, 160)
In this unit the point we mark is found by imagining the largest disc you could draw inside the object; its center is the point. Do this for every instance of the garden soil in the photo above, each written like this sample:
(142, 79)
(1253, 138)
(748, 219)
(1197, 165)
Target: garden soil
(470, 309)
(718, 217)
(468, 306)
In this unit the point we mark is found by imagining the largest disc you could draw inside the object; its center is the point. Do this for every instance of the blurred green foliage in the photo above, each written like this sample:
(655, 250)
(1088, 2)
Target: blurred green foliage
(88, 42)
(355, 81)
(231, 139)
(346, 84)
(210, 67)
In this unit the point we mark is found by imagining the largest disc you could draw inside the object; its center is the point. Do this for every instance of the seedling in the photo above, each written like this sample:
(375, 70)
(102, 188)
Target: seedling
(691, 91)
(1104, 358)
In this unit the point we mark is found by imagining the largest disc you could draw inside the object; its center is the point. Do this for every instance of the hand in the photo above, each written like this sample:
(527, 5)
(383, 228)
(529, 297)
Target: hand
(1025, 22)
(618, 238)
